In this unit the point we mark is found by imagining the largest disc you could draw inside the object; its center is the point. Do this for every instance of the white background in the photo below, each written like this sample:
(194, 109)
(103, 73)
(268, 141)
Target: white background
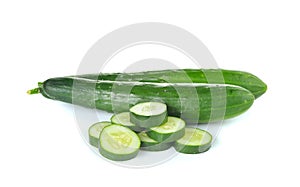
(39, 139)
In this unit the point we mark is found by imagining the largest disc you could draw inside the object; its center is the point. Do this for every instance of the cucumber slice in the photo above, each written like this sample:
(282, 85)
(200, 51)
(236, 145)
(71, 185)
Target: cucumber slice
(170, 131)
(194, 141)
(118, 143)
(148, 144)
(94, 132)
(148, 114)
(124, 119)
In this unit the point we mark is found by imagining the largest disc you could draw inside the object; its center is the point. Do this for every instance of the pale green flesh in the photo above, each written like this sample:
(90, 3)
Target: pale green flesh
(195, 137)
(172, 125)
(145, 138)
(122, 118)
(149, 109)
(96, 129)
(119, 140)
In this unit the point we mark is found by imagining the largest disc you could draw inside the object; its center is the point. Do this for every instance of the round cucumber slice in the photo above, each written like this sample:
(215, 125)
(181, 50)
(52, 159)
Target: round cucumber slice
(94, 132)
(124, 119)
(194, 141)
(118, 143)
(170, 131)
(148, 144)
(148, 114)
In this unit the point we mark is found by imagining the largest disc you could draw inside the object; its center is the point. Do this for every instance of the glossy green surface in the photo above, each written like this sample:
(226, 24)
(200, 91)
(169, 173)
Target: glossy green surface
(212, 76)
(193, 102)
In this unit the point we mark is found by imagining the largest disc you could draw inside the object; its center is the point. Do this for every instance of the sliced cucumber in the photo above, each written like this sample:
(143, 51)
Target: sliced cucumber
(148, 114)
(118, 143)
(170, 131)
(94, 132)
(124, 119)
(194, 141)
(148, 144)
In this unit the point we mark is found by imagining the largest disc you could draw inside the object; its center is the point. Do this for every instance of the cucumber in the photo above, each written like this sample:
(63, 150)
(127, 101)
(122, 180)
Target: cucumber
(213, 76)
(118, 143)
(170, 131)
(148, 114)
(123, 118)
(94, 132)
(195, 105)
(194, 141)
(148, 144)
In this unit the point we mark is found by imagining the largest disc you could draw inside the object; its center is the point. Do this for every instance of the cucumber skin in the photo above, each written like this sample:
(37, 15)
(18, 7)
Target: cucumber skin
(148, 121)
(101, 95)
(165, 138)
(115, 157)
(93, 141)
(219, 76)
(189, 149)
(136, 129)
(151, 146)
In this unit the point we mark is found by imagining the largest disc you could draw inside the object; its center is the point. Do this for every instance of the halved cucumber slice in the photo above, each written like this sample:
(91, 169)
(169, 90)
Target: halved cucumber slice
(148, 114)
(194, 141)
(118, 143)
(124, 119)
(94, 132)
(148, 144)
(170, 131)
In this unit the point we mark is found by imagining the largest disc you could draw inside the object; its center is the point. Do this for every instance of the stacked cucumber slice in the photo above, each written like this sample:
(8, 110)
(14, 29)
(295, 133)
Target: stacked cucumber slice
(149, 114)
(148, 127)
(94, 132)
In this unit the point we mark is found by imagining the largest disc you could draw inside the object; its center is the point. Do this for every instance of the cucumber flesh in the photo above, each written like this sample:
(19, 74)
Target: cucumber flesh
(170, 131)
(123, 118)
(94, 132)
(194, 141)
(149, 109)
(148, 114)
(119, 143)
(148, 144)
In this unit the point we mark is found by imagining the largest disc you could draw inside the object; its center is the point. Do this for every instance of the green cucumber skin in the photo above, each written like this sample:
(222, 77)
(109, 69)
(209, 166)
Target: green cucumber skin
(148, 121)
(114, 97)
(151, 146)
(93, 141)
(165, 138)
(116, 157)
(213, 76)
(135, 128)
(189, 149)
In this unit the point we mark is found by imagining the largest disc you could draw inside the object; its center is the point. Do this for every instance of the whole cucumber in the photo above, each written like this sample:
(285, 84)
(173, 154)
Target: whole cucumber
(193, 102)
(212, 76)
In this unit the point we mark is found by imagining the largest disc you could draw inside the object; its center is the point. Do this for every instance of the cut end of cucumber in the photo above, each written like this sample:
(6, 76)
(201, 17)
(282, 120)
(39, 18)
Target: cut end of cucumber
(195, 137)
(95, 130)
(145, 138)
(149, 109)
(148, 144)
(122, 119)
(148, 114)
(194, 141)
(170, 131)
(119, 143)
(172, 125)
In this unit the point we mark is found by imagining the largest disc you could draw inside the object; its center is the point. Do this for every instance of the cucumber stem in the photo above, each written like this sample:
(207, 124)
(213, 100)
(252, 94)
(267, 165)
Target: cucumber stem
(33, 91)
